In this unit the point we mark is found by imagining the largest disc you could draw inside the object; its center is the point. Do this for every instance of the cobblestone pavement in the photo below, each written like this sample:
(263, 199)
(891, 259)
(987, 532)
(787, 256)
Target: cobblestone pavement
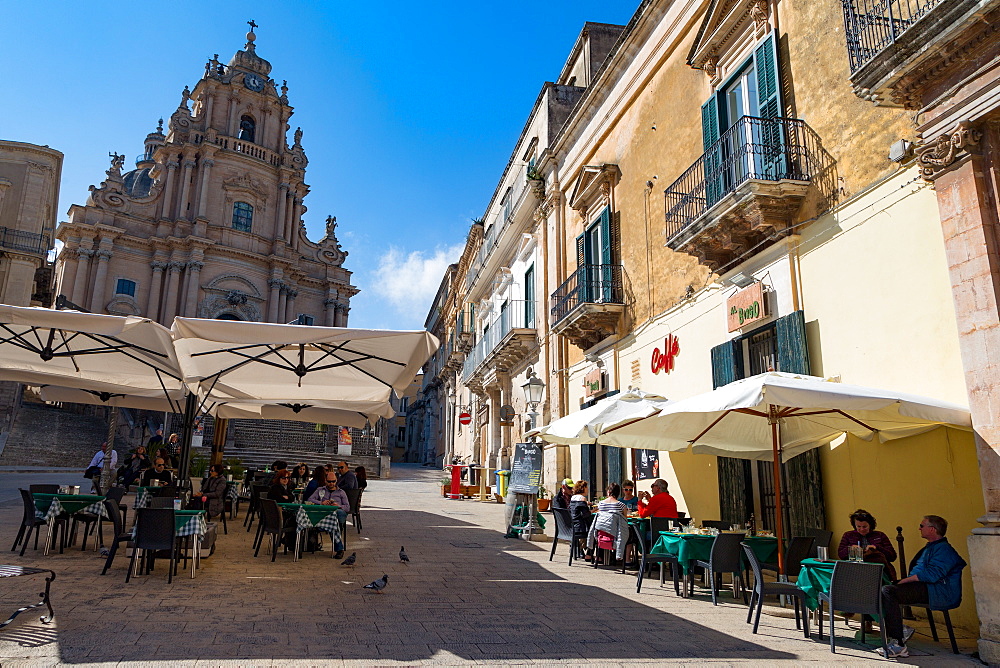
(468, 596)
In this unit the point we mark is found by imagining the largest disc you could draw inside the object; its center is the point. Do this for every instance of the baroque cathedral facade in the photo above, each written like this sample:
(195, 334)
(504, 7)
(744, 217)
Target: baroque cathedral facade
(209, 223)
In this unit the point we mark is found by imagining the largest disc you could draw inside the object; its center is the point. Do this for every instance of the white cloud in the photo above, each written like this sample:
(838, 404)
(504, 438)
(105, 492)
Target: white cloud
(409, 281)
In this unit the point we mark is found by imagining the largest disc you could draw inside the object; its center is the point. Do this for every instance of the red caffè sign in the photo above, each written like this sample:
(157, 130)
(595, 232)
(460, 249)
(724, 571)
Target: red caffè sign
(745, 307)
(663, 360)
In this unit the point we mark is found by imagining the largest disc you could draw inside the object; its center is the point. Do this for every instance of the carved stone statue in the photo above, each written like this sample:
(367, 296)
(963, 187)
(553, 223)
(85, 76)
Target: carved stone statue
(298, 136)
(331, 225)
(117, 162)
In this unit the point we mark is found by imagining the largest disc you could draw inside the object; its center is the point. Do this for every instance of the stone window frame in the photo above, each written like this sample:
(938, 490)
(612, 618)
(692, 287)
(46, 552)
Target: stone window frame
(238, 222)
(118, 287)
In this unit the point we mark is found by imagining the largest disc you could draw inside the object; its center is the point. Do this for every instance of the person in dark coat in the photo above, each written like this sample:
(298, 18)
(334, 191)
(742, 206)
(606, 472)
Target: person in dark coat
(280, 489)
(362, 477)
(935, 581)
(579, 510)
(213, 491)
(563, 494)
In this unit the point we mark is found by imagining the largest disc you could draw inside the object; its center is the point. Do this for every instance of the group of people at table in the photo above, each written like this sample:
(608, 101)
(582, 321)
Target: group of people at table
(935, 573)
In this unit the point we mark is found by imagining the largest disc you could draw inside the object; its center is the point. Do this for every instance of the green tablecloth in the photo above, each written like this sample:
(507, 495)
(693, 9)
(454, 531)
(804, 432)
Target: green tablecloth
(48, 506)
(691, 546)
(311, 515)
(815, 577)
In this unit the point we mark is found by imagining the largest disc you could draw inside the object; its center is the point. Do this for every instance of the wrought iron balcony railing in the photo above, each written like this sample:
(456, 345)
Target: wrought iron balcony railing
(872, 25)
(766, 149)
(589, 284)
(513, 315)
(26, 242)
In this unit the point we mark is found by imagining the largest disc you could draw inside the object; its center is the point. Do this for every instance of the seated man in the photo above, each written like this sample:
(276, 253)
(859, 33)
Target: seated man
(158, 472)
(935, 579)
(346, 477)
(331, 495)
(660, 504)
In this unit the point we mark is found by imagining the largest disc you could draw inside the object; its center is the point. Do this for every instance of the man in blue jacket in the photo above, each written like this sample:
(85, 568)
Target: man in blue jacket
(935, 580)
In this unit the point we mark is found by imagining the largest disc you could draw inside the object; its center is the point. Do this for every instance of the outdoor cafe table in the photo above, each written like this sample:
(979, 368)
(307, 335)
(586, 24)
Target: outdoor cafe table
(313, 516)
(688, 547)
(815, 577)
(48, 506)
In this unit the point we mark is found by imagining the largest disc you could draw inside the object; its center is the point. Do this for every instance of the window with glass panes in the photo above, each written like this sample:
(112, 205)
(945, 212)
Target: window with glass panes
(125, 287)
(242, 216)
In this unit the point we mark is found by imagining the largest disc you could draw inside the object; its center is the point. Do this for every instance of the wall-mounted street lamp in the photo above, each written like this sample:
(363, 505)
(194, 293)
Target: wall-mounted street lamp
(533, 390)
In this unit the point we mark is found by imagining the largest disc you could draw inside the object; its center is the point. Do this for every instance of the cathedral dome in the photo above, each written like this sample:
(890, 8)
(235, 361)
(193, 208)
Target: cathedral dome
(138, 183)
(248, 59)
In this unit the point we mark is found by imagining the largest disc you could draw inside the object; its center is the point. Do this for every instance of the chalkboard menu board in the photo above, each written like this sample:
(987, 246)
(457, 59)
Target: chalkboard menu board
(526, 469)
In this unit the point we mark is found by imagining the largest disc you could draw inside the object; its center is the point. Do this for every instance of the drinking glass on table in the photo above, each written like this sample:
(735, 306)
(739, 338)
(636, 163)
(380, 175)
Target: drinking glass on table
(821, 553)
(855, 553)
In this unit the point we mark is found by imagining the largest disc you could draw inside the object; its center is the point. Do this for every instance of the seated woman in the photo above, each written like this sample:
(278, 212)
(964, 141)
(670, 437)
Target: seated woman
(362, 476)
(318, 480)
(134, 465)
(579, 510)
(213, 491)
(876, 545)
(300, 474)
(280, 488)
(628, 497)
(609, 530)
(611, 504)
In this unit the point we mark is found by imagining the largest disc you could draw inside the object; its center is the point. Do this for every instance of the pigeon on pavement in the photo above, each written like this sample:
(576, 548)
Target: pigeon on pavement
(350, 560)
(378, 585)
(402, 555)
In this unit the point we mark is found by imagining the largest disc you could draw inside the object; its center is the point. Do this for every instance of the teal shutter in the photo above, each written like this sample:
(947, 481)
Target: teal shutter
(581, 268)
(714, 184)
(803, 474)
(771, 136)
(604, 273)
(727, 363)
(588, 465)
(529, 297)
(613, 457)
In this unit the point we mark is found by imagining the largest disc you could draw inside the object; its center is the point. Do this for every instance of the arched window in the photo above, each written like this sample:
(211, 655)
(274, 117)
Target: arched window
(248, 128)
(242, 217)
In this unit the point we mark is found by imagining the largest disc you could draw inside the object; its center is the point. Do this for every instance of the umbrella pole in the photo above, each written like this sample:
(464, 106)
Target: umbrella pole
(772, 418)
(190, 408)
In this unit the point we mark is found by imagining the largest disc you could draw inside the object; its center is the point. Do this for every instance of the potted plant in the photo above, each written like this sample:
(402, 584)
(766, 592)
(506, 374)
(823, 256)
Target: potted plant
(445, 486)
(543, 499)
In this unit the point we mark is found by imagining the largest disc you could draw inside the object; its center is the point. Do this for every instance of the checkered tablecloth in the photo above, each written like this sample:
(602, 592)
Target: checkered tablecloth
(190, 523)
(312, 516)
(142, 497)
(48, 506)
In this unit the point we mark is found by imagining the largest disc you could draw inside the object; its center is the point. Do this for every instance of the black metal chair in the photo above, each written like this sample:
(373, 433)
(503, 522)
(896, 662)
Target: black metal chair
(726, 557)
(716, 524)
(257, 492)
(822, 539)
(856, 587)
(947, 623)
(646, 559)
(29, 523)
(762, 589)
(354, 498)
(120, 534)
(165, 492)
(273, 523)
(161, 502)
(154, 531)
(800, 548)
(564, 531)
(117, 494)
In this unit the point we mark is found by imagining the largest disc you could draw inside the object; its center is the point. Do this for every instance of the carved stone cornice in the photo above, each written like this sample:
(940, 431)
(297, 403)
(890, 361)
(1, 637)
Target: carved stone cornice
(937, 155)
(195, 266)
(158, 266)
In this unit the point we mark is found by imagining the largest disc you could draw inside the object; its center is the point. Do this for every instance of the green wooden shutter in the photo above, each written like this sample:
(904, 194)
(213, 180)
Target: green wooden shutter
(734, 474)
(588, 465)
(613, 456)
(529, 297)
(803, 474)
(604, 273)
(714, 183)
(581, 268)
(772, 154)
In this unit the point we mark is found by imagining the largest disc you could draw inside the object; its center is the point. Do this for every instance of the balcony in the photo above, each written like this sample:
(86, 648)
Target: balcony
(743, 193)
(509, 339)
(586, 307)
(24, 242)
(902, 49)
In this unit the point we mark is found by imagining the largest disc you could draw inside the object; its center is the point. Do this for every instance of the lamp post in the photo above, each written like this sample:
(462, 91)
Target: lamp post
(533, 390)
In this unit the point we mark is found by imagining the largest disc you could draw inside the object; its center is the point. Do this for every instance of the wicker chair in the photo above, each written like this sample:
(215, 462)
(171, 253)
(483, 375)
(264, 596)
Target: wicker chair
(726, 557)
(647, 559)
(856, 586)
(762, 589)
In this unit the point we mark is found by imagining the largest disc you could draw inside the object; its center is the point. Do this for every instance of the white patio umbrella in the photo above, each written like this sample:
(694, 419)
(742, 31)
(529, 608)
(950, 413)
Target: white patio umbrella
(775, 416)
(300, 413)
(172, 402)
(584, 426)
(296, 364)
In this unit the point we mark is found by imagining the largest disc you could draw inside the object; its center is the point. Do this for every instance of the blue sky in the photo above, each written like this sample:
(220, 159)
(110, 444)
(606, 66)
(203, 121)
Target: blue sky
(409, 110)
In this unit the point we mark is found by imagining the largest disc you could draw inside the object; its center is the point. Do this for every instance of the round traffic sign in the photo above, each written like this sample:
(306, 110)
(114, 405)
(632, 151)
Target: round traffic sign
(464, 418)
(507, 413)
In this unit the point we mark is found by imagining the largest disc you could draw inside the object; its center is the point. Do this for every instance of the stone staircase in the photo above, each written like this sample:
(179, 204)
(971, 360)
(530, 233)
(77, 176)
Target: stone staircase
(44, 435)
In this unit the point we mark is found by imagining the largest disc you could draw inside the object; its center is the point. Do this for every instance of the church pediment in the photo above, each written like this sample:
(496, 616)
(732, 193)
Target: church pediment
(593, 185)
(725, 22)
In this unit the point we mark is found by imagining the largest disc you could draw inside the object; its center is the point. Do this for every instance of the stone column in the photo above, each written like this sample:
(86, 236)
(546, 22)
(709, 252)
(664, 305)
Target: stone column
(234, 127)
(209, 104)
(282, 303)
(290, 313)
(69, 260)
(82, 270)
(155, 283)
(173, 285)
(503, 378)
(346, 310)
(182, 210)
(286, 231)
(166, 211)
(272, 303)
(193, 278)
(206, 170)
(962, 181)
(495, 430)
(296, 222)
(279, 219)
(100, 280)
(330, 312)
